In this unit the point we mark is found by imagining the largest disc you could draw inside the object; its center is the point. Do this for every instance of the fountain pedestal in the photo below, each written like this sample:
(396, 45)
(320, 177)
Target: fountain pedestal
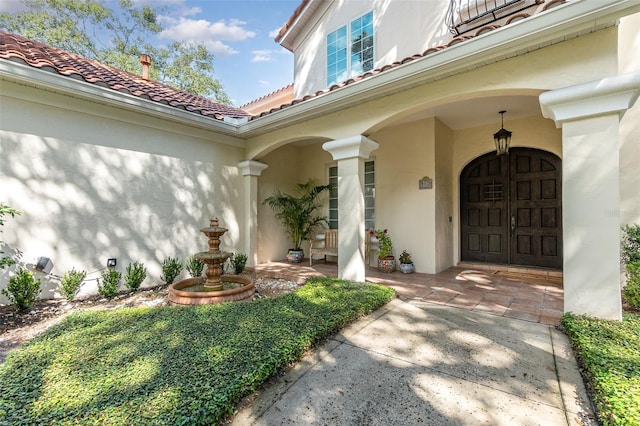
(214, 258)
(217, 288)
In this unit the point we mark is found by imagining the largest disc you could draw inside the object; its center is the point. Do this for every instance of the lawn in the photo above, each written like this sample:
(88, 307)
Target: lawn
(609, 352)
(171, 365)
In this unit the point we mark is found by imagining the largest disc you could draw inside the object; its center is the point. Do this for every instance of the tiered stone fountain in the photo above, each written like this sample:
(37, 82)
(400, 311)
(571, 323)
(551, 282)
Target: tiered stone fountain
(217, 288)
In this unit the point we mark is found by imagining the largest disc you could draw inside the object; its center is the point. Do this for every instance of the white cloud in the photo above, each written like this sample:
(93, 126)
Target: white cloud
(191, 11)
(264, 82)
(219, 48)
(177, 7)
(274, 33)
(263, 55)
(159, 2)
(211, 34)
(192, 29)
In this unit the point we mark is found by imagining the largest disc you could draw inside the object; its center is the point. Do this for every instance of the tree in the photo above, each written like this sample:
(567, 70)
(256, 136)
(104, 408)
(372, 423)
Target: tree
(116, 37)
(362, 52)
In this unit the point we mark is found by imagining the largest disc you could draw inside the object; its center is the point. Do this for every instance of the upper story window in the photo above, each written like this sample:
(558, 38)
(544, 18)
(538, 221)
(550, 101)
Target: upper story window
(350, 49)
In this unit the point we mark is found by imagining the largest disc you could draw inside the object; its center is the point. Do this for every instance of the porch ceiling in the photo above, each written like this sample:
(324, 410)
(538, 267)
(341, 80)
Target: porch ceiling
(476, 112)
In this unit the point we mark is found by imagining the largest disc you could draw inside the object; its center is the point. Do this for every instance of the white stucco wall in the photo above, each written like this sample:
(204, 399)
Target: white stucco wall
(282, 174)
(95, 182)
(288, 166)
(629, 61)
(405, 156)
(445, 190)
(426, 18)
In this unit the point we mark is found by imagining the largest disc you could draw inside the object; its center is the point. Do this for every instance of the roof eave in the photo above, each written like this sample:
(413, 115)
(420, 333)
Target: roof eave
(555, 25)
(25, 74)
(287, 39)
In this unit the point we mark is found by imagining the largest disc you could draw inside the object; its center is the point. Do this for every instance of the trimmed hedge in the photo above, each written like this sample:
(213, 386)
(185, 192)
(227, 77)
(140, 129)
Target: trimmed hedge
(609, 352)
(171, 365)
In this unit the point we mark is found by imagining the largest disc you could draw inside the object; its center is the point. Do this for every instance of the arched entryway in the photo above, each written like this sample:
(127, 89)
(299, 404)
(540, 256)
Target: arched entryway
(510, 209)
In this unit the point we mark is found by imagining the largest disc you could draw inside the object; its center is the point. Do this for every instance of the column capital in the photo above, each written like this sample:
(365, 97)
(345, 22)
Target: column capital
(251, 168)
(357, 146)
(611, 95)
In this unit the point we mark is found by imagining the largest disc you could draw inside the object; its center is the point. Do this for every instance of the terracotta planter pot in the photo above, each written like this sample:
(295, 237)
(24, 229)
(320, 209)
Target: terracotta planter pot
(388, 264)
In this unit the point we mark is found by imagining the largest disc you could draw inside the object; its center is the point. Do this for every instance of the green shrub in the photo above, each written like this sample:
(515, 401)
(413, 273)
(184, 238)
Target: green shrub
(194, 266)
(136, 273)
(173, 364)
(22, 289)
(70, 283)
(609, 352)
(631, 291)
(171, 268)
(238, 261)
(630, 244)
(110, 283)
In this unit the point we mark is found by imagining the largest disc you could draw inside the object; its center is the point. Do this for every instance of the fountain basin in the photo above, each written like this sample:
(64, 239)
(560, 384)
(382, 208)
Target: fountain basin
(188, 292)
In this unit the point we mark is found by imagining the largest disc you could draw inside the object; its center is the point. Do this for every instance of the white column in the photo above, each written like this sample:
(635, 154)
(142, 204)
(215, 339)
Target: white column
(251, 170)
(350, 154)
(589, 115)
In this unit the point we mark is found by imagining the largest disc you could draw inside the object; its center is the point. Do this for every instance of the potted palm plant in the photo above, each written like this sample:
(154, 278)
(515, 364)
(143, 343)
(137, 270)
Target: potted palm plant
(297, 214)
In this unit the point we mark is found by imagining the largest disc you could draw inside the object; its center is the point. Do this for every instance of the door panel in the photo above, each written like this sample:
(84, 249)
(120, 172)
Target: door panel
(511, 209)
(537, 237)
(484, 219)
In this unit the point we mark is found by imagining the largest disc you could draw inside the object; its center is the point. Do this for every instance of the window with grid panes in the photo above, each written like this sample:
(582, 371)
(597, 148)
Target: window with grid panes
(369, 196)
(350, 49)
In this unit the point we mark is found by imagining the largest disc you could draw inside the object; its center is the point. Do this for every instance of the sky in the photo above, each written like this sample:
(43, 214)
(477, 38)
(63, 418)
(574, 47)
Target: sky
(240, 34)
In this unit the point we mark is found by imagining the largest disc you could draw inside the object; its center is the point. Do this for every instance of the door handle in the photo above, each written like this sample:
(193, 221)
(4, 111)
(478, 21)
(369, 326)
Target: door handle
(513, 224)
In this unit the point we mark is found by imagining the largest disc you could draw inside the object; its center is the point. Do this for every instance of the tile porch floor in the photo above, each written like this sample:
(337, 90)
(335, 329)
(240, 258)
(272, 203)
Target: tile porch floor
(528, 294)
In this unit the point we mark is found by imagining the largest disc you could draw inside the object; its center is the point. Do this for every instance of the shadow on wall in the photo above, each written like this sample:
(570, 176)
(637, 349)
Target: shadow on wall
(85, 203)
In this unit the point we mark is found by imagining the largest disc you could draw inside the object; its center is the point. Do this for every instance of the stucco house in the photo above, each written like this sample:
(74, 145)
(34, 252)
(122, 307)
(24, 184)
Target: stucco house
(401, 117)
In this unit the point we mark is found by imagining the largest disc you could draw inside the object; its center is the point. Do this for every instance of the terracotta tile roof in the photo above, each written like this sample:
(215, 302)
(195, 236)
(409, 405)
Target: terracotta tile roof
(291, 20)
(38, 55)
(266, 102)
(454, 41)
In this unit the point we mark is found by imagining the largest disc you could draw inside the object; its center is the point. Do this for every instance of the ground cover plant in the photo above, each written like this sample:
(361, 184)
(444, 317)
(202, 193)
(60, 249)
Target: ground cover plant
(630, 257)
(609, 352)
(173, 364)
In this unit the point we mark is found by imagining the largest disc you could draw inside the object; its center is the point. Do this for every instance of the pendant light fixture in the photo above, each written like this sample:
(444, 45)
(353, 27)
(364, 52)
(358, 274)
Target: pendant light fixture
(502, 138)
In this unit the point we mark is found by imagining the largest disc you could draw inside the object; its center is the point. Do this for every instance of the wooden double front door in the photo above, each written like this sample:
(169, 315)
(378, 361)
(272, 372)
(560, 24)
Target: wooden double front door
(511, 209)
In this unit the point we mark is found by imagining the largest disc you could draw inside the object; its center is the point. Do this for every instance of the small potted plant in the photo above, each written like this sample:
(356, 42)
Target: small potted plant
(386, 261)
(406, 264)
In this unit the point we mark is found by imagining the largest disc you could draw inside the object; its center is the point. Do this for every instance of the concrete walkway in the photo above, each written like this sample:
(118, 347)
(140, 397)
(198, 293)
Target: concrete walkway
(414, 362)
